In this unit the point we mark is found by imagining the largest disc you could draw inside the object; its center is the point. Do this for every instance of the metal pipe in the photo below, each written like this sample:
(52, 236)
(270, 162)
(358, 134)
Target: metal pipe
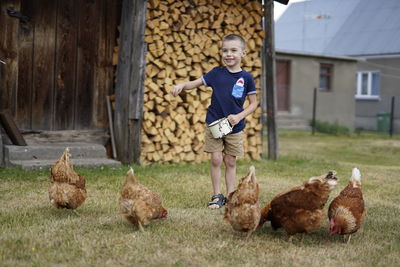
(391, 117)
(1, 61)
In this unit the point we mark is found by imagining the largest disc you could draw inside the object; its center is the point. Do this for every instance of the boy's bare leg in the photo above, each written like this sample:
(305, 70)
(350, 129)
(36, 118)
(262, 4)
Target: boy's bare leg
(216, 161)
(230, 173)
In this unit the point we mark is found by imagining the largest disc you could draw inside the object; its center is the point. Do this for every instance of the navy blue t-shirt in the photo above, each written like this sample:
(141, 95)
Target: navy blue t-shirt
(229, 93)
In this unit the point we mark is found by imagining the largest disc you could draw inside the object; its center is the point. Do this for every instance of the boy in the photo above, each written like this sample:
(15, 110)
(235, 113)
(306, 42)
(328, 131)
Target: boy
(230, 85)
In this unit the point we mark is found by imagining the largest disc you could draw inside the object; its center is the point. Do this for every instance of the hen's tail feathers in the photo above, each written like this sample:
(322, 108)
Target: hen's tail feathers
(130, 175)
(356, 177)
(252, 173)
(65, 156)
(252, 169)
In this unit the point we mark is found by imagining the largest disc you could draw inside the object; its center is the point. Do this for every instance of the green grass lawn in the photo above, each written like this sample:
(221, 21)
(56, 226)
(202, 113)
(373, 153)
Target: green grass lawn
(32, 232)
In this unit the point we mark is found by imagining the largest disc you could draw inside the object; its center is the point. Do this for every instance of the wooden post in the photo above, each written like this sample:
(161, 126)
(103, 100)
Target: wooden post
(314, 111)
(391, 117)
(129, 85)
(269, 69)
(1, 148)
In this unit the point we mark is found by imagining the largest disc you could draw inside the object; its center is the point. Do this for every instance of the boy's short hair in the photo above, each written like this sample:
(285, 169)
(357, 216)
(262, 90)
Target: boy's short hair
(231, 37)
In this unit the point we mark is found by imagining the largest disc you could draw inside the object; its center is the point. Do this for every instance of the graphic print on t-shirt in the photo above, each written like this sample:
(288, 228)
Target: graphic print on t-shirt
(238, 88)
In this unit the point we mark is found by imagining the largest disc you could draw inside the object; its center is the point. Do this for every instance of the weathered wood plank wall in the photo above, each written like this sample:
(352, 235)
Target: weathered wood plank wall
(66, 64)
(25, 68)
(9, 54)
(59, 65)
(106, 74)
(43, 63)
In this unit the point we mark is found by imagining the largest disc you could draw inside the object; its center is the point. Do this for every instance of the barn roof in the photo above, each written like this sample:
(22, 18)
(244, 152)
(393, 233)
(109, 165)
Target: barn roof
(341, 27)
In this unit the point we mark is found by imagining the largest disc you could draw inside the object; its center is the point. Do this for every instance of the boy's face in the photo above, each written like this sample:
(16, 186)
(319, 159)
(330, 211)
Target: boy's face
(232, 53)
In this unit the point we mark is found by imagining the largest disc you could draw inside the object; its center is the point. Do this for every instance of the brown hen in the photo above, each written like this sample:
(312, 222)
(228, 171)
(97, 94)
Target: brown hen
(300, 210)
(67, 189)
(138, 204)
(242, 210)
(346, 212)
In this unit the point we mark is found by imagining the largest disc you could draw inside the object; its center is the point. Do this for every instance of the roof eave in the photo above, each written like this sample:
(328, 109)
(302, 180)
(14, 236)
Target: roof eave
(391, 55)
(299, 53)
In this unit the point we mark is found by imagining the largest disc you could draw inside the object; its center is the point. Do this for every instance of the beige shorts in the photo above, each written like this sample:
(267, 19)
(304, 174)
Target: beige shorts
(231, 144)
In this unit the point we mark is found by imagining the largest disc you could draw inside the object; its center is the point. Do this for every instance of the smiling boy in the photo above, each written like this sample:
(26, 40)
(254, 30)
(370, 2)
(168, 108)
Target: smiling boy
(231, 85)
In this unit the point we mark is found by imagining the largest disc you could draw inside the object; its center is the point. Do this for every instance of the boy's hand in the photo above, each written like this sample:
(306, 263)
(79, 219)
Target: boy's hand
(233, 119)
(177, 89)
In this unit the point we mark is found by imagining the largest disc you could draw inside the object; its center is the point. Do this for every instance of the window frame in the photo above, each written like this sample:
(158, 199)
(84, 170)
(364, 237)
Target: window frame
(369, 95)
(329, 75)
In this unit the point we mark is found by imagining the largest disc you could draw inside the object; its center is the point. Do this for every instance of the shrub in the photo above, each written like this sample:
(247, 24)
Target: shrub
(328, 128)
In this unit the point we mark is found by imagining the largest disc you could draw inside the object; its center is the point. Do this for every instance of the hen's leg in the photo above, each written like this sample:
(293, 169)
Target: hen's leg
(291, 239)
(302, 238)
(140, 226)
(348, 240)
(251, 231)
(248, 234)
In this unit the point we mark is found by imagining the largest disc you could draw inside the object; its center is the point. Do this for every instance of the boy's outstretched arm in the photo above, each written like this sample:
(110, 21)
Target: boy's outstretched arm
(236, 118)
(186, 86)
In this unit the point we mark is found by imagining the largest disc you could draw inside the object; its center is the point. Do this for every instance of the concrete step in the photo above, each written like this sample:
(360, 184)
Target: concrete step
(54, 151)
(66, 136)
(292, 123)
(294, 127)
(286, 120)
(46, 164)
(42, 156)
(87, 148)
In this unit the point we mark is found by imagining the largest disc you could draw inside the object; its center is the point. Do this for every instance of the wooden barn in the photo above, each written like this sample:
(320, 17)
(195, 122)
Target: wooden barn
(58, 58)
(63, 58)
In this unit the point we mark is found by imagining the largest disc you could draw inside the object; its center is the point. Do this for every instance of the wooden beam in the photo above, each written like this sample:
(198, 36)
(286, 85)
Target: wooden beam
(129, 85)
(137, 75)
(11, 128)
(269, 76)
(111, 126)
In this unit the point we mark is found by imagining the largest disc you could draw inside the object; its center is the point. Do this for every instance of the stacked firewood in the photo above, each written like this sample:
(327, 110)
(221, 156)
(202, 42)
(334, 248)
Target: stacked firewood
(184, 40)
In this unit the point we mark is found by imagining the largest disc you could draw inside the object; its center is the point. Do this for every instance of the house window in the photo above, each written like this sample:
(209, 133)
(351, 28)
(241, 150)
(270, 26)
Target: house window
(325, 77)
(368, 84)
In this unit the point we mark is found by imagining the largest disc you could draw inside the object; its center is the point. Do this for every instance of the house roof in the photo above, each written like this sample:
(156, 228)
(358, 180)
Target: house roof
(308, 54)
(340, 27)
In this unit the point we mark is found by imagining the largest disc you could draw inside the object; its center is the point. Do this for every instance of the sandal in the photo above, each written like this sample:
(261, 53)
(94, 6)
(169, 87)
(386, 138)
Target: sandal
(218, 200)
